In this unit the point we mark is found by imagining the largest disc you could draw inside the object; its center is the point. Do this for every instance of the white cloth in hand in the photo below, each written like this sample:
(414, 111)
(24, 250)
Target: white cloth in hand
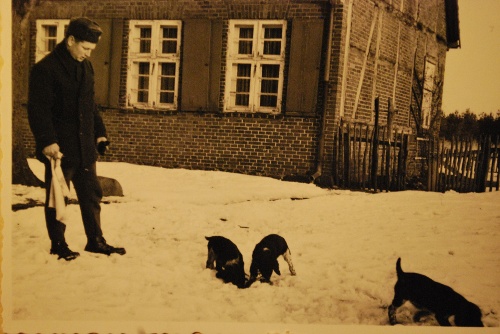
(59, 190)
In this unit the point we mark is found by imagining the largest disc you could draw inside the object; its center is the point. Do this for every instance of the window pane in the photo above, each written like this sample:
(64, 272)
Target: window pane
(246, 32)
(242, 100)
(169, 47)
(143, 83)
(51, 45)
(144, 68)
(51, 31)
(244, 70)
(166, 97)
(272, 40)
(243, 85)
(170, 32)
(245, 48)
(145, 40)
(168, 69)
(169, 40)
(167, 82)
(268, 101)
(50, 37)
(272, 48)
(245, 43)
(270, 71)
(269, 85)
(275, 32)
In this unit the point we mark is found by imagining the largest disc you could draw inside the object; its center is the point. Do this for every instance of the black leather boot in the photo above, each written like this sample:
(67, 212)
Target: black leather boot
(61, 249)
(99, 245)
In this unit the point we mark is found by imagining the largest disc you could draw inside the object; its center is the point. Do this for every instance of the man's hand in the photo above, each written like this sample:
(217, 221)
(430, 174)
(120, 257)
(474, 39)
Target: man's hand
(102, 145)
(52, 151)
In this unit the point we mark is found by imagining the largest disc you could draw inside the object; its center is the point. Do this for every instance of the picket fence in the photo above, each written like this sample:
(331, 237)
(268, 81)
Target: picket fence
(368, 158)
(374, 158)
(463, 165)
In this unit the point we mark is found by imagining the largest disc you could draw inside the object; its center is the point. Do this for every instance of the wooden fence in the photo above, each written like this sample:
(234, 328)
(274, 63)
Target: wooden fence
(369, 158)
(374, 158)
(463, 165)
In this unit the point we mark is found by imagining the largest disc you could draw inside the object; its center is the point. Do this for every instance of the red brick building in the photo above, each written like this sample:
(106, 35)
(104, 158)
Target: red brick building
(255, 87)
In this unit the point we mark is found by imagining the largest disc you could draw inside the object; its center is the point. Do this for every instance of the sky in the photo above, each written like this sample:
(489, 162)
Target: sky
(472, 74)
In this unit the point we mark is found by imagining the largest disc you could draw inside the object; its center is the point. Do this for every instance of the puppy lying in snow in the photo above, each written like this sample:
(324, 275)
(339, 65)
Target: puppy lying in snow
(265, 258)
(228, 260)
(438, 298)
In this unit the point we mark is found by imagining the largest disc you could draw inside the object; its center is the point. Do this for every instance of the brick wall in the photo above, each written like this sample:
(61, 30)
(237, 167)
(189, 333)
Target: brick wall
(250, 144)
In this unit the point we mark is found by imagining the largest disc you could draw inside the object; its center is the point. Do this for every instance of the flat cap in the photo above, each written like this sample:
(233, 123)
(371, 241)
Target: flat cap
(84, 29)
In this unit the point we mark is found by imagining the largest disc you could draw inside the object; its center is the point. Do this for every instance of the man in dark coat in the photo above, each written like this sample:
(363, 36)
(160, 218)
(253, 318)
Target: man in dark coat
(65, 120)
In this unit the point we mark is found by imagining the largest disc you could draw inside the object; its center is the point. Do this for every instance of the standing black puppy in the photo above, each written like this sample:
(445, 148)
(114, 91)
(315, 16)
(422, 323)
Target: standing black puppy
(438, 298)
(228, 260)
(265, 258)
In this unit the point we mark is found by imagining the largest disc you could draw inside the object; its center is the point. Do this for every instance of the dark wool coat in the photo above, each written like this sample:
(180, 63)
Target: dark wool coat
(61, 107)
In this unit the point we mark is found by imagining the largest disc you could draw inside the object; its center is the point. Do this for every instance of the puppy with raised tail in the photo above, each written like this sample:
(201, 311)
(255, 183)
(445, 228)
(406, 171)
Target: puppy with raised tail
(265, 258)
(228, 260)
(435, 297)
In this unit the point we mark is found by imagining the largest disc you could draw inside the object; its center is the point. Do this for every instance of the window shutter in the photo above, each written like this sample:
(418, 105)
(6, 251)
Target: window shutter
(304, 67)
(215, 65)
(201, 56)
(100, 59)
(116, 62)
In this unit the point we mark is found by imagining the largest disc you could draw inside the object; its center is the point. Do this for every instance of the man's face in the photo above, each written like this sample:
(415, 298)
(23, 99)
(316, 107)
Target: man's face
(80, 50)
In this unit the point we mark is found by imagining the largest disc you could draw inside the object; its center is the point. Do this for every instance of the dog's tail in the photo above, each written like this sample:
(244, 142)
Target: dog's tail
(399, 271)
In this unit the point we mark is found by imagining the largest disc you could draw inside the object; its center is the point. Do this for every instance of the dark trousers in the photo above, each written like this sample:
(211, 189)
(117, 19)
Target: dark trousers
(89, 193)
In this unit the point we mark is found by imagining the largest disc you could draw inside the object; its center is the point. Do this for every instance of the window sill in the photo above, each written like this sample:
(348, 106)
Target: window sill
(148, 111)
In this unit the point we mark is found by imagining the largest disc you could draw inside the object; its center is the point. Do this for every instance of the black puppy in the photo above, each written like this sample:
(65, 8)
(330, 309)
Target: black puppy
(438, 298)
(228, 260)
(265, 258)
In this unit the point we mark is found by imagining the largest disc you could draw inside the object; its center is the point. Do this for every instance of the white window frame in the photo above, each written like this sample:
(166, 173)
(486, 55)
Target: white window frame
(156, 59)
(257, 60)
(428, 93)
(43, 44)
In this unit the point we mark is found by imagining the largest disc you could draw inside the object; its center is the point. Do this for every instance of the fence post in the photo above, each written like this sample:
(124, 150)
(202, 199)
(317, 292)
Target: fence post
(497, 160)
(375, 147)
(347, 157)
(336, 155)
(483, 171)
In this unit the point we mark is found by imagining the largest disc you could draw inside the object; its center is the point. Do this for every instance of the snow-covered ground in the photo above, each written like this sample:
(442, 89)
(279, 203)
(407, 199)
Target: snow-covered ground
(344, 248)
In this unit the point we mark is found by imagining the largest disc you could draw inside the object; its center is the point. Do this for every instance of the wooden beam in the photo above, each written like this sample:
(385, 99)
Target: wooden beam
(396, 65)
(363, 69)
(377, 56)
(346, 57)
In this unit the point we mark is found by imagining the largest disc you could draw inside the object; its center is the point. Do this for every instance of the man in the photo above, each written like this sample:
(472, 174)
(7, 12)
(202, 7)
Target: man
(64, 120)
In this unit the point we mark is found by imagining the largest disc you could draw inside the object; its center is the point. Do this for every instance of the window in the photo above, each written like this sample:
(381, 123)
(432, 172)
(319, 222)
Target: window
(255, 64)
(427, 99)
(48, 34)
(153, 64)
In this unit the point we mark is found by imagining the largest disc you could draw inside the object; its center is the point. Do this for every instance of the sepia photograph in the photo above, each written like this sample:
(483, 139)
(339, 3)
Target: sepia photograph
(250, 166)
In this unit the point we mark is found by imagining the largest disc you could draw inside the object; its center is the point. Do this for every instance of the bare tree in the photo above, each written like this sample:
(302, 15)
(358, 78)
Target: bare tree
(21, 173)
(417, 107)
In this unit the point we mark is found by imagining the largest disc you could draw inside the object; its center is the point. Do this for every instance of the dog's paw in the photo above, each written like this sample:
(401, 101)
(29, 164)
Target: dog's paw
(392, 315)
